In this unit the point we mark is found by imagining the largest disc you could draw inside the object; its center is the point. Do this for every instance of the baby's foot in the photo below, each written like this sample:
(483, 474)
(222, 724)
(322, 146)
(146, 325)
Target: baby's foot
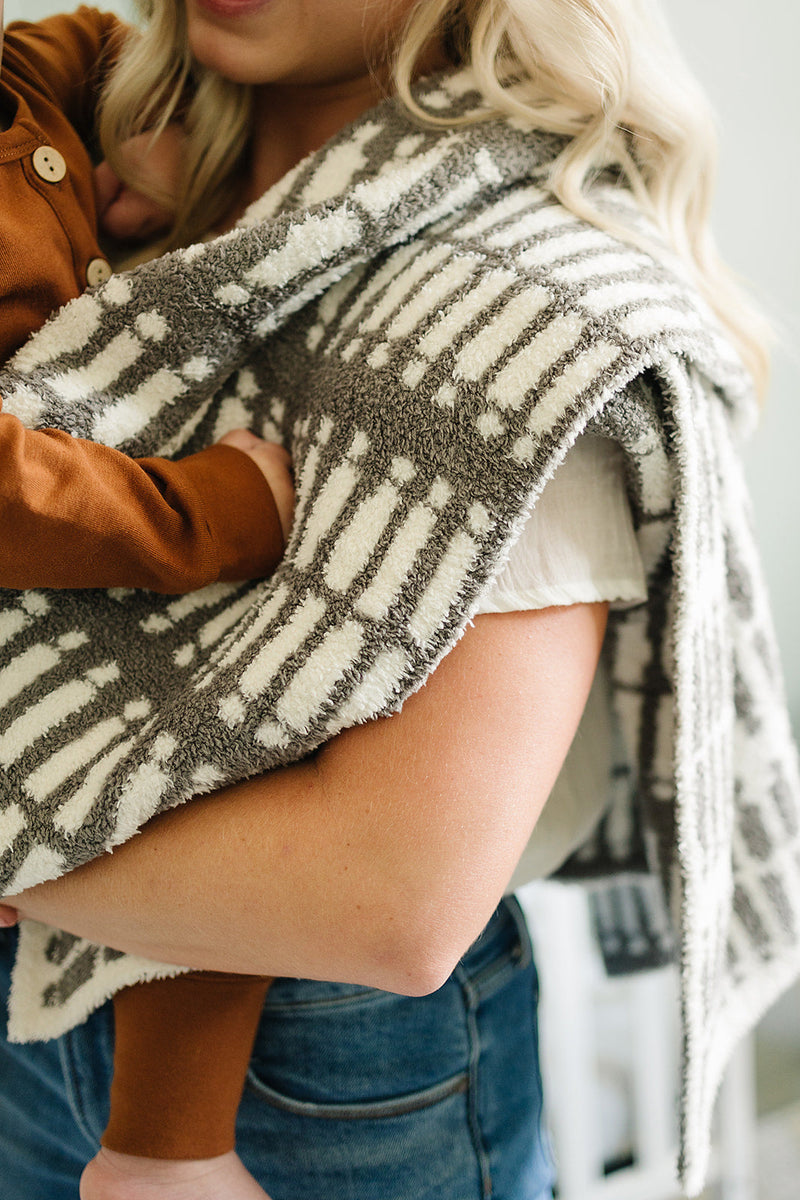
(113, 1176)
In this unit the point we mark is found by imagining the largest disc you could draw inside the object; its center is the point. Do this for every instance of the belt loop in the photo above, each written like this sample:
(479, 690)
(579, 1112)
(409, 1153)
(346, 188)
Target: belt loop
(518, 916)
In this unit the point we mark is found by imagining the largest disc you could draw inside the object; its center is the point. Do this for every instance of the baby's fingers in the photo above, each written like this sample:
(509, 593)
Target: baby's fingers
(8, 916)
(275, 465)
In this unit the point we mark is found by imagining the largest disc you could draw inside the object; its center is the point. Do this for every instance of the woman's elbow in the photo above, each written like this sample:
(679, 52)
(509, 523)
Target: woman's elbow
(409, 970)
(422, 941)
(429, 907)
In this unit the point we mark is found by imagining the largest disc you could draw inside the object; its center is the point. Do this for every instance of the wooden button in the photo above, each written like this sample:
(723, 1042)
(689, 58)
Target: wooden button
(49, 164)
(97, 272)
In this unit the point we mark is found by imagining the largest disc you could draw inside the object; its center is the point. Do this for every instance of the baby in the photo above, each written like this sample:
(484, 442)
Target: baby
(76, 514)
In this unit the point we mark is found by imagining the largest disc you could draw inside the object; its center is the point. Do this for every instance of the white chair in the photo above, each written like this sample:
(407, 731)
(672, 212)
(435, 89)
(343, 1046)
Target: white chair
(611, 1089)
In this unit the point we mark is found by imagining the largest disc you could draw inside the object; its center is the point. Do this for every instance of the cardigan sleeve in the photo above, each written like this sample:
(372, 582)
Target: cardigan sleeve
(74, 514)
(69, 56)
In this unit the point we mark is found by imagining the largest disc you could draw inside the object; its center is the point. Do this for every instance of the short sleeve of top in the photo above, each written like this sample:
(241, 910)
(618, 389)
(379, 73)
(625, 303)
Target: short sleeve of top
(578, 546)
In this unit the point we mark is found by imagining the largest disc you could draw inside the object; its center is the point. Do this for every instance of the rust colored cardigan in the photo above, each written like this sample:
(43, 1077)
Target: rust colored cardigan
(74, 513)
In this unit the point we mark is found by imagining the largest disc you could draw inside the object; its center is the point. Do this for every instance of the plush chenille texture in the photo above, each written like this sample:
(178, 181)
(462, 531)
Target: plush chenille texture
(428, 331)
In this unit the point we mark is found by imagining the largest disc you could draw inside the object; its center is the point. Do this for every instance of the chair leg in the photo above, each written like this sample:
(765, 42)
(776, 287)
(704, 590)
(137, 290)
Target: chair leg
(562, 935)
(654, 1067)
(737, 1123)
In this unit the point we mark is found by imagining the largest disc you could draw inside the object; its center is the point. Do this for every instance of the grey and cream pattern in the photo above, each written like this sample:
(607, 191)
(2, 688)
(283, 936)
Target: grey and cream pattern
(428, 331)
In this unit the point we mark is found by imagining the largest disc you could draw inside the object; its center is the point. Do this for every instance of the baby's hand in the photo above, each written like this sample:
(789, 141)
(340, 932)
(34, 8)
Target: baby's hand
(275, 465)
(127, 213)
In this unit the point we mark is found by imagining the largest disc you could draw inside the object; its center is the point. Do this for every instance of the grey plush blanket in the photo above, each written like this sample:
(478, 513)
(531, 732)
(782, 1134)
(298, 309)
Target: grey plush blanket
(428, 331)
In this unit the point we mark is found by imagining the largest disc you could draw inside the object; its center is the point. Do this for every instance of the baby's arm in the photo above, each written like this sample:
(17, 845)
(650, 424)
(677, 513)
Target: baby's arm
(77, 514)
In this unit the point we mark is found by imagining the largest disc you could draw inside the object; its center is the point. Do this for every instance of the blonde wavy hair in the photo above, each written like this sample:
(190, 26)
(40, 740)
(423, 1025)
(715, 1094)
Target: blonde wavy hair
(605, 73)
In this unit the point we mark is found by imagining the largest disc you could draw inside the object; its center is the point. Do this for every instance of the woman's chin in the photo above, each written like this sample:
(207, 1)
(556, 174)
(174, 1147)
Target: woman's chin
(226, 53)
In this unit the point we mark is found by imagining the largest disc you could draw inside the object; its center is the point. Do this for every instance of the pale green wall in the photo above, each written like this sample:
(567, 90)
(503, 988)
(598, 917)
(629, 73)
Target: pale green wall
(745, 53)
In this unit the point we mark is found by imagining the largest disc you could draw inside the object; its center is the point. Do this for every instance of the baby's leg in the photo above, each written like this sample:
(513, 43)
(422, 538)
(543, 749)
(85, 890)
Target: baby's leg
(181, 1054)
(181, 1051)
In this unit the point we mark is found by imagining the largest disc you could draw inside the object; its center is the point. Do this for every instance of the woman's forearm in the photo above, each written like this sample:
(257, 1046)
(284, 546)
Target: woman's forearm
(263, 877)
(297, 873)
(379, 861)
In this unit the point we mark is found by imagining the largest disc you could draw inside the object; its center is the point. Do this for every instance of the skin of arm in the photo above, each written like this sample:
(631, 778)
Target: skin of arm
(378, 861)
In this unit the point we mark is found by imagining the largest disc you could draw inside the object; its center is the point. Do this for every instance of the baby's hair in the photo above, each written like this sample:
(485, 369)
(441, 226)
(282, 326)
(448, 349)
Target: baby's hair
(605, 73)
(154, 81)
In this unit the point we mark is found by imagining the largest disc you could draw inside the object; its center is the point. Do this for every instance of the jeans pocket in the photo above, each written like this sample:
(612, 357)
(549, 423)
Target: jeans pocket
(355, 1094)
(355, 1047)
(366, 1110)
(418, 1146)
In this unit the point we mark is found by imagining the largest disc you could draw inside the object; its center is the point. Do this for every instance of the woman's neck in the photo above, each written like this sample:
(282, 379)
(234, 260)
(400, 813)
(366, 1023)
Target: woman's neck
(291, 122)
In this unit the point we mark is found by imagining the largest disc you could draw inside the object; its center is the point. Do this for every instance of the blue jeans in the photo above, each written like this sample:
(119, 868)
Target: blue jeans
(353, 1094)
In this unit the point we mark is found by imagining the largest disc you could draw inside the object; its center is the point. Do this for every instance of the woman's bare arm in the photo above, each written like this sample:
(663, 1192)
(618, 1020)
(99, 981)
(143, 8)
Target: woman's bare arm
(380, 860)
